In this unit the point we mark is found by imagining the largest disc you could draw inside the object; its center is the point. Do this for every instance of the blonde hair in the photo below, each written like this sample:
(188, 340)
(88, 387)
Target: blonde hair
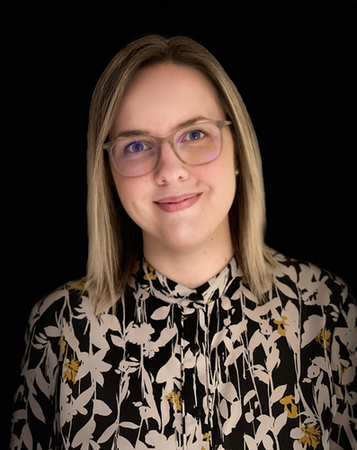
(114, 239)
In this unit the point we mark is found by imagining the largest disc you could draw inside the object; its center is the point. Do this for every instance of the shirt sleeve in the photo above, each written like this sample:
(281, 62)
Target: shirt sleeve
(33, 421)
(344, 362)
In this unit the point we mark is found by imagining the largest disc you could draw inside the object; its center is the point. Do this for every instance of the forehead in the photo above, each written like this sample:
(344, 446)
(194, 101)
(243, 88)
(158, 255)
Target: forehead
(164, 95)
(160, 76)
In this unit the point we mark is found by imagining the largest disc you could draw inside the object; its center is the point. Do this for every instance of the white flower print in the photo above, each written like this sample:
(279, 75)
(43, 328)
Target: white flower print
(205, 368)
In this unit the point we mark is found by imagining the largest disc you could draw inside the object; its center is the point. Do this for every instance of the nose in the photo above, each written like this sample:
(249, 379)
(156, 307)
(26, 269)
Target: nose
(170, 168)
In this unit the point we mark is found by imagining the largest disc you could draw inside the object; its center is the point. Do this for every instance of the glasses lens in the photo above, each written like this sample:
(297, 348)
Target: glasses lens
(134, 156)
(198, 144)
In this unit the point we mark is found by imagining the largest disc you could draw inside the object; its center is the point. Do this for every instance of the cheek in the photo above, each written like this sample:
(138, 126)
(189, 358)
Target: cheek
(131, 192)
(122, 185)
(126, 195)
(229, 183)
(230, 189)
(122, 188)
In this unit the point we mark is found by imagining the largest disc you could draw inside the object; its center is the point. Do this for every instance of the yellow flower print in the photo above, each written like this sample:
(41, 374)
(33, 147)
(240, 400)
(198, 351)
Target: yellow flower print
(206, 436)
(136, 267)
(72, 370)
(175, 398)
(312, 435)
(342, 371)
(150, 271)
(76, 285)
(324, 339)
(63, 344)
(290, 406)
(244, 281)
(281, 325)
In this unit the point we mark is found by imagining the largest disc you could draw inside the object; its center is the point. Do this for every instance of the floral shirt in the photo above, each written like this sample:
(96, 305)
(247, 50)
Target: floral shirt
(205, 368)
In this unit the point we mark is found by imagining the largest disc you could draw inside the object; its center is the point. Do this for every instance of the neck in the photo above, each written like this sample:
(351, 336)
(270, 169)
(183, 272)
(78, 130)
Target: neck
(190, 267)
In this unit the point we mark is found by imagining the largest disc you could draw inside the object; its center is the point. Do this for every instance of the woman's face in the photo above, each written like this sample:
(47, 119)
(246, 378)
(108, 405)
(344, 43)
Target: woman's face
(179, 207)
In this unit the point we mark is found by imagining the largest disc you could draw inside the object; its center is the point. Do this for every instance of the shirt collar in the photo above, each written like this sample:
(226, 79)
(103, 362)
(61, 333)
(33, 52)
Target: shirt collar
(169, 291)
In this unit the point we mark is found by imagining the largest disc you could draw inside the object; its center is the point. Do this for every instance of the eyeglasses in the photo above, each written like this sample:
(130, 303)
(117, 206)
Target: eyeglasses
(200, 143)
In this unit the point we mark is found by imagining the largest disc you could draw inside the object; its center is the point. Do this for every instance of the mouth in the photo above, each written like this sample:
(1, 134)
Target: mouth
(177, 203)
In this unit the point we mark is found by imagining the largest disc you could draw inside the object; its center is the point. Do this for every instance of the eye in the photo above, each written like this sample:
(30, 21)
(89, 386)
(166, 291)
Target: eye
(137, 147)
(193, 135)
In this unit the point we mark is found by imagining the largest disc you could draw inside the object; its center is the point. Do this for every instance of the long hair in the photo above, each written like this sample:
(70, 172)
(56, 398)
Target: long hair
(114, 239)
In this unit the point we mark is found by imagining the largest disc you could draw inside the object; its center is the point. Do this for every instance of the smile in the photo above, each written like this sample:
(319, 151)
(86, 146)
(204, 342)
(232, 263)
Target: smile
(178, 203)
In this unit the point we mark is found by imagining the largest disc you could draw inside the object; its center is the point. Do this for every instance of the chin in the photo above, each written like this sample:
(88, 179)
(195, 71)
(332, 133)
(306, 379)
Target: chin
(185, 241)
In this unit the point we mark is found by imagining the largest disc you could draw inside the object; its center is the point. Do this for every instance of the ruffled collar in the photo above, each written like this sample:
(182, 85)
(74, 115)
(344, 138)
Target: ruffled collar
(148, 278)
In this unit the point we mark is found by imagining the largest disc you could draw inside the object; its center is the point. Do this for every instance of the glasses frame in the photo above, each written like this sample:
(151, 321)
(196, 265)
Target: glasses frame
(170, 139)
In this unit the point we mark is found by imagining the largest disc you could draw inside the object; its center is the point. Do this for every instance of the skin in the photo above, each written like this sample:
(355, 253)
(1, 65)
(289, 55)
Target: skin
(190, 242)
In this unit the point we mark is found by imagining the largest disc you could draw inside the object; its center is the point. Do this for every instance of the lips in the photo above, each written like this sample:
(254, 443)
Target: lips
(177, 203)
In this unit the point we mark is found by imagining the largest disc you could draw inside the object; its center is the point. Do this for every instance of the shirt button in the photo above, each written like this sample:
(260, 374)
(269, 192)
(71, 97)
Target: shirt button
(197, 412)
(194, 347)
(194, 296)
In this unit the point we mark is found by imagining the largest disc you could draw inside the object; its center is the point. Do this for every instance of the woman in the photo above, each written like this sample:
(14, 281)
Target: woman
(187, 332)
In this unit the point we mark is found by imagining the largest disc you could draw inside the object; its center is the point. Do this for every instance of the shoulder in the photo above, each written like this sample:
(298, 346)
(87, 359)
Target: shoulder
(68, 313)
(317, 302)
(309, 283)
(65, 301)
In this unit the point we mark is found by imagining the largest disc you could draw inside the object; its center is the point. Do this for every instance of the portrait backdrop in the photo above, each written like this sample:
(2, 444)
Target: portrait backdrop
(293, 65)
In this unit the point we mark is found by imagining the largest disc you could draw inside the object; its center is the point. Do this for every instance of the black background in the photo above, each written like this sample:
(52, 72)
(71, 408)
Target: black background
(291, 61)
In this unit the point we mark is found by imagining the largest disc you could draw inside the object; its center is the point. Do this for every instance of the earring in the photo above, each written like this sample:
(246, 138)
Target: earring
(237, 172)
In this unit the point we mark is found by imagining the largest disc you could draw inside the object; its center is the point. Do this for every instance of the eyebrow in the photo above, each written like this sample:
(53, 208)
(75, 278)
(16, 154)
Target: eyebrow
(186, 123)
